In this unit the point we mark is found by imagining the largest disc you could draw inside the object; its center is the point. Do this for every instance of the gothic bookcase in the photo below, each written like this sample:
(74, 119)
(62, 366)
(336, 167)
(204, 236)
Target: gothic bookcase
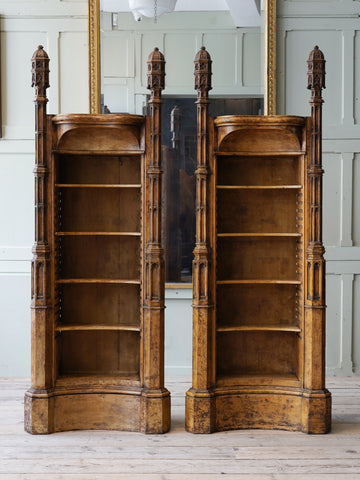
(258, 272)
(98, 272)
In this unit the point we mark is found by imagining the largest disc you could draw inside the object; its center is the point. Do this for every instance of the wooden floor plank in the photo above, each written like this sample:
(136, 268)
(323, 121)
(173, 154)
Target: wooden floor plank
(284, 452)
(176, 476)
(178, 455)
(193, 466)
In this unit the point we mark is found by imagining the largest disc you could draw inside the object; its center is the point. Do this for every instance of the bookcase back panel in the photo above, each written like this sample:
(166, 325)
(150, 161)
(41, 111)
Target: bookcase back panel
(256, 353)
(256, 211)
(100, 304)
(99, 352)
(257, 258)
(259, 170)
(98, 169)
(255, 305)
(96, 210)
(81, 258)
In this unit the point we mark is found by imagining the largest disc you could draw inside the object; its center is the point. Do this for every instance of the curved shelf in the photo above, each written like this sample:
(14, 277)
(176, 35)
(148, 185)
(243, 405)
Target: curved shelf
(124, 234)
(98, 185)
(91, 381)
(97, 153)
(250, 378)
(98, 280)
(261, 328)
(276, 282)
(259, 187)
(261, 154)
(259, 235)
(74, 327)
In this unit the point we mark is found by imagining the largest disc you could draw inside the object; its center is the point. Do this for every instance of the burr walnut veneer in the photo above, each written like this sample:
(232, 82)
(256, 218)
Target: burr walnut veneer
(97, 272)
(258, 272)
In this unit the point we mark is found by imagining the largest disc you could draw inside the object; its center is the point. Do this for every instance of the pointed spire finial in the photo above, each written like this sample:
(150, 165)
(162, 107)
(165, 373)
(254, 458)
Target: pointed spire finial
(316, 72)
(202, 71)
(40, 71)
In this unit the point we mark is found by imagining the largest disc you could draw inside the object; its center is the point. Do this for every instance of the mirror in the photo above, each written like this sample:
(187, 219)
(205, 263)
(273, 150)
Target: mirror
(269, 49)
(121, 46)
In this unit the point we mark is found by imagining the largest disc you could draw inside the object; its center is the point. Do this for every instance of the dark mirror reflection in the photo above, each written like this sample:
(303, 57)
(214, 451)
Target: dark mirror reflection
(179, 165)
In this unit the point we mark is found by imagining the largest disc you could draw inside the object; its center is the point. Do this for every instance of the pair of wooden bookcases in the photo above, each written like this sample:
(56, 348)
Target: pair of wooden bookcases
(98, 269)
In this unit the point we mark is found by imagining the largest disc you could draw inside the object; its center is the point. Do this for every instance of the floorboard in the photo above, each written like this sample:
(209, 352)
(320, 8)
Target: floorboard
(178, 455)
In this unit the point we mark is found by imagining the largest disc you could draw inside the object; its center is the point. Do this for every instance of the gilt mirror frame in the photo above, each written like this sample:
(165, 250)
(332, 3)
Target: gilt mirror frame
(269, 56)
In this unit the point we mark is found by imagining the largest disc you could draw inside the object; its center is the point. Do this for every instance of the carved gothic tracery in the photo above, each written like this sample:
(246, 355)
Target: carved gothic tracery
(40, 71)
(316, 72)
(202, 71)
(156, 72)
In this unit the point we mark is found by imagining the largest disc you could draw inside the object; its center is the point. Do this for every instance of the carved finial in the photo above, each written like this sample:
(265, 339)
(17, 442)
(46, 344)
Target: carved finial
(40, 71)
(316, 72)
(156, 72)
(202, 71)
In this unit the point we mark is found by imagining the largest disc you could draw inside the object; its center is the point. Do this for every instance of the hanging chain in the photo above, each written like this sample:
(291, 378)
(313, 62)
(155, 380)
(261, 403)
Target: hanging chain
(155, 11)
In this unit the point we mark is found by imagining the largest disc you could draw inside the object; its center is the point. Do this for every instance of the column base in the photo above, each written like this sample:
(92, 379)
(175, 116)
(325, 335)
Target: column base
(200, 411)
(39, 412)
(155, 411)
(316, 411)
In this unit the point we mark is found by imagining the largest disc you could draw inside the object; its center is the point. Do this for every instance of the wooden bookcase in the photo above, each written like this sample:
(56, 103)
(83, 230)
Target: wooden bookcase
(259, 313)
(98, 270)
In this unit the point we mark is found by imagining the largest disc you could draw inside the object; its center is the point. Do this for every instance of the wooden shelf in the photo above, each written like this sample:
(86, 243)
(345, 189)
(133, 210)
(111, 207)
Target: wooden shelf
(277, 282)
(286, 379)
(98, 280)
(259, 235)
(259, 328)
(128, 328)
(259, 187)
(102, 153)
(124, 234)
(97, 185)
(91, 380)
(261, 154)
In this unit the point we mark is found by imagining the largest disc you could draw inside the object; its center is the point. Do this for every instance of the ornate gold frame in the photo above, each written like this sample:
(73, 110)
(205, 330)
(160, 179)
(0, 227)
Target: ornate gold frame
(269, 52)
(270, 57)
(94, 55)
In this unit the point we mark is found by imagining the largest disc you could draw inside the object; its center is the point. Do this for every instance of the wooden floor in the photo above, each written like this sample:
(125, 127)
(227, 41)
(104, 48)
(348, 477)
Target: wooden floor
(178, 455)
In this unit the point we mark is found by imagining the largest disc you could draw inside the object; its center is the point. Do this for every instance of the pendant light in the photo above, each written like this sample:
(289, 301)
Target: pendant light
(151, 8)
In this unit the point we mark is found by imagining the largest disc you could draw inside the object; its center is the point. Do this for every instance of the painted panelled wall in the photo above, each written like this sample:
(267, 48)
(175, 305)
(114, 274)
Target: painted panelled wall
(61, 27)
(334, 26)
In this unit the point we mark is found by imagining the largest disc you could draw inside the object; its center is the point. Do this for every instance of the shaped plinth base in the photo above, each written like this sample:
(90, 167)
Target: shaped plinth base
(290, 409)
(131, 410)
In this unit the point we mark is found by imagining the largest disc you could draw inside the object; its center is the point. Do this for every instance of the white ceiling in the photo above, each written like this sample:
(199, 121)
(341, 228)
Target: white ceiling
(245, 13)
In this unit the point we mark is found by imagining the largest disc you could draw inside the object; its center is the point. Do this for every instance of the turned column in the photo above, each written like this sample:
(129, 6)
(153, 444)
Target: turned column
(41, 320)
(154, 278)
(40, 275)
(200, 399)
(314, 373)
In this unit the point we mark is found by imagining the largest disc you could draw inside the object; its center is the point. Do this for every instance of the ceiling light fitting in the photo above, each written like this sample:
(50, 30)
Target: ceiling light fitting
(151, 8)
